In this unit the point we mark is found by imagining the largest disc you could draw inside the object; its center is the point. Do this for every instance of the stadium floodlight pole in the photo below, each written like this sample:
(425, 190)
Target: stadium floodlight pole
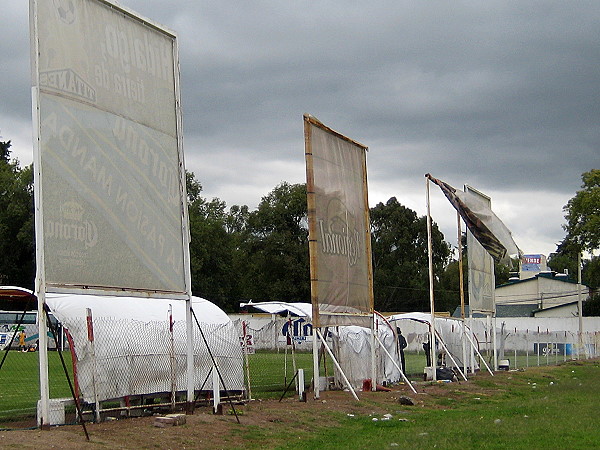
(431, 300)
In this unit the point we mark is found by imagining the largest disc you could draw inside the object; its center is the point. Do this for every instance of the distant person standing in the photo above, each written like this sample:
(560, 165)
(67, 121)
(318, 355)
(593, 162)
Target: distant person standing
(22, 337)
(427, 349)
(401, 346)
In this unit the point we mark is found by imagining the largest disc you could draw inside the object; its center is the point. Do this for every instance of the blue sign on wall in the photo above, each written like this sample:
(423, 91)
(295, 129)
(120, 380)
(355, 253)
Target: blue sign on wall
(552, 348)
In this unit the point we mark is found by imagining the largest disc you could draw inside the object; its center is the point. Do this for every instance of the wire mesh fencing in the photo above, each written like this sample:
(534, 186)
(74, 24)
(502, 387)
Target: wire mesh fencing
(520, 349)
(124, 365)
(129, 365)
(274, 353)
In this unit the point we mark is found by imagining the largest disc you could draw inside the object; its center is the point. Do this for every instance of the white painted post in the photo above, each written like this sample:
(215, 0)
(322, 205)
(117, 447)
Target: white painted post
(315, 349)
(90, 332)
(301, 384)
(189, 355)
(216, 389)
(579, 305)
(373, 354)
(431, 300)
(172, 361)
(44, 419)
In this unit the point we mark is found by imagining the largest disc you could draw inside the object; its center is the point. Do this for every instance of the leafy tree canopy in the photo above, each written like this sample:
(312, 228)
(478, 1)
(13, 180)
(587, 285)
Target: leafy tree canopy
(16, 221)
(400, 259)
(583, 215)
(275, 247)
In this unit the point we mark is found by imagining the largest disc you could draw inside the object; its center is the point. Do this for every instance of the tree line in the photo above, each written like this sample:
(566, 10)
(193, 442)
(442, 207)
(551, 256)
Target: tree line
(238, 255)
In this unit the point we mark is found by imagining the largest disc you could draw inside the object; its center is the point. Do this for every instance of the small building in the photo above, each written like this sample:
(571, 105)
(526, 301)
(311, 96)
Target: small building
(566, 310)
(551, 293)
(546, 294)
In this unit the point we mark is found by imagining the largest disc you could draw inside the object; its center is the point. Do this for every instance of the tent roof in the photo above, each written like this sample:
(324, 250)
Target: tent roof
(420, 317)
(65, 306)
(13, 298)
(14, 292)
(298, 309)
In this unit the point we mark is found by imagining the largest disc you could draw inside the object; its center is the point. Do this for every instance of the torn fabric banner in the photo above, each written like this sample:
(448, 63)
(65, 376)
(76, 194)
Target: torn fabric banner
(481, 221)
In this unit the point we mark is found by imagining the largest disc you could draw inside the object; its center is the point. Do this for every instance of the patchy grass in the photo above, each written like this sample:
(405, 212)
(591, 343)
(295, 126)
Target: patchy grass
(546, 407)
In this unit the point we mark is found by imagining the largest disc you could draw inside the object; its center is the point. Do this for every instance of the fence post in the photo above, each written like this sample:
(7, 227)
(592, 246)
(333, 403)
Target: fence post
(90, 334)
(246, 359)
(538, 346)
(527, 347)
(216, 389)
(172, 359)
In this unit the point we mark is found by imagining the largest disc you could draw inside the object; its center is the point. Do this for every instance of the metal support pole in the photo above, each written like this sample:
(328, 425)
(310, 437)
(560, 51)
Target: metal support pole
(189, 356)
(338, 366)
(43, 359)
(579, 305)
(315, 349)
(431, 300)
(373, 353)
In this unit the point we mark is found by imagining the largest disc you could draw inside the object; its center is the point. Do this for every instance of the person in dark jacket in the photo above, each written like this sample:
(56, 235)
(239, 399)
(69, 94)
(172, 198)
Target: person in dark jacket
(401, 346)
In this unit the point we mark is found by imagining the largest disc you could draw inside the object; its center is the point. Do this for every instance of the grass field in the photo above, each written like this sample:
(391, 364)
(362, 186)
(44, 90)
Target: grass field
(546, 407)
(270, 373)
(538, 408)
(20, 386)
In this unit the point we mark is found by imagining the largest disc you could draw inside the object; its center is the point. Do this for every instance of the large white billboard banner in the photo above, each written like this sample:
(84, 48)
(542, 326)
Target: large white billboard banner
(481, 267)
(109, 162)
(339, 228)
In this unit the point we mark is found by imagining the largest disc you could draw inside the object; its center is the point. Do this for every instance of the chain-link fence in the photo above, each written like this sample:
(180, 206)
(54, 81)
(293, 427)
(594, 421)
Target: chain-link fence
(19, 367)
(273, 359)
(126, 367)
(274, 352)
(122, 367)
(521, 349)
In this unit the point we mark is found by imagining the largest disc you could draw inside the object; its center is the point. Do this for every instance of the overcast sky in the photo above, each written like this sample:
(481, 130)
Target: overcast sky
(501, 95)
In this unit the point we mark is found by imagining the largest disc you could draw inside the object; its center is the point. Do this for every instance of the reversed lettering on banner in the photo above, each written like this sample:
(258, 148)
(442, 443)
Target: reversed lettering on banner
(109, 145)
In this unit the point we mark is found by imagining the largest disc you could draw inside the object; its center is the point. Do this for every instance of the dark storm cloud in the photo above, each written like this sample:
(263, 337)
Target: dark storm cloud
(502, 95)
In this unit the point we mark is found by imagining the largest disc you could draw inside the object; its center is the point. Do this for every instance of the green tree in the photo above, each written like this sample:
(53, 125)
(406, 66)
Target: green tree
(17, 254)
(274, 247)
(400, 258)
(591, 307)
(564, 260)
(211, 248)
(583, 215)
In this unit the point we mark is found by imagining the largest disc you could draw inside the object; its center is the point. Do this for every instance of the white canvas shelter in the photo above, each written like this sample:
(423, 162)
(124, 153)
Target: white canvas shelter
(415, 327)
(297, 309)
(134, 352)
(351, 345)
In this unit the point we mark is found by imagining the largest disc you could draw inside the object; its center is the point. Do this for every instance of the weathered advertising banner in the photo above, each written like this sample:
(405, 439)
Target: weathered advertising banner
(481, 267)
(109, 164)
(481, 221)
(338, 212)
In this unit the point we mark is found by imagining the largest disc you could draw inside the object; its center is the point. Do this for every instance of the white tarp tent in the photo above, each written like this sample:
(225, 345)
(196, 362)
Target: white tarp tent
(297, 309)
(137, 349)
(415, 328)
(351, 345)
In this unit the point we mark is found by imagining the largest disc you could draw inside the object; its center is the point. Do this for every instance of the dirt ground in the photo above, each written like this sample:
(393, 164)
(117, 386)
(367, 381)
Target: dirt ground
(267, 423)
